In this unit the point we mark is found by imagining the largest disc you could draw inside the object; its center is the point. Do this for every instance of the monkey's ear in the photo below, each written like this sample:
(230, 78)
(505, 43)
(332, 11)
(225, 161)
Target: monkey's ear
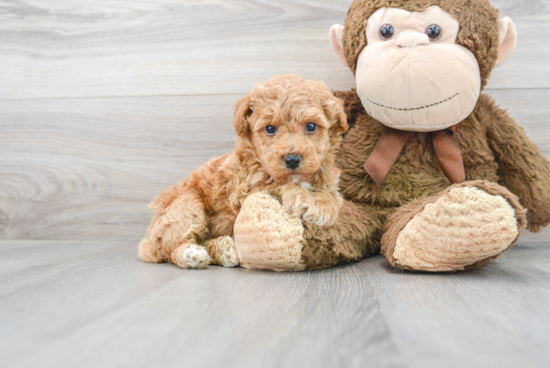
(242, 112)
(335, 37)
(507, 37)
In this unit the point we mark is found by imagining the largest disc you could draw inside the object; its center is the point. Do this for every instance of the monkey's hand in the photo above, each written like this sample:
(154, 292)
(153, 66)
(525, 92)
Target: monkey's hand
(523, 169)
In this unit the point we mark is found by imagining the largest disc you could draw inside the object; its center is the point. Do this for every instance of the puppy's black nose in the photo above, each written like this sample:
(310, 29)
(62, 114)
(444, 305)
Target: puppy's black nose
(292, 161)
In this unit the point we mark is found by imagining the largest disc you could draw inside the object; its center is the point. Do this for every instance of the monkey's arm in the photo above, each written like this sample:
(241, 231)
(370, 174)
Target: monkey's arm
(523, 169)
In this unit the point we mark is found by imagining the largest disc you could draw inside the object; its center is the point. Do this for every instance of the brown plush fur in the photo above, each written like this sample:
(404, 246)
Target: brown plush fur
(495, 150)
(350, 239)
(206, 204)
(486, 139)
(493, 147)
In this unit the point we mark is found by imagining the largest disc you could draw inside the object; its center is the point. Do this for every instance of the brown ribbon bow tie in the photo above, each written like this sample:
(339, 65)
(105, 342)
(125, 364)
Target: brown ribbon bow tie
(387, 150)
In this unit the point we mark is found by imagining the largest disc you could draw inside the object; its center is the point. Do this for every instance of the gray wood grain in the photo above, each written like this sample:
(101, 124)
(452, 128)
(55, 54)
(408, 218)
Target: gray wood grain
(83, 48)
(93, 304)
(86, 168)
(493, 316)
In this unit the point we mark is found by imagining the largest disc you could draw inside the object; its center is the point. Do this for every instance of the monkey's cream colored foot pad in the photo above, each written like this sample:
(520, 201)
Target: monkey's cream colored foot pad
(267, 236)
(464, 226)
(196, 256)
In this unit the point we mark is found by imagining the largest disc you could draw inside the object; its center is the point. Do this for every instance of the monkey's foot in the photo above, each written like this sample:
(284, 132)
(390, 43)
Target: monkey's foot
(267, 236)
(223, 251)
(469, 224)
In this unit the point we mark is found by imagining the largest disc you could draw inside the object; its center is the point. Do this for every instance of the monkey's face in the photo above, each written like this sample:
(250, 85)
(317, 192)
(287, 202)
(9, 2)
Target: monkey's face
(412, 75)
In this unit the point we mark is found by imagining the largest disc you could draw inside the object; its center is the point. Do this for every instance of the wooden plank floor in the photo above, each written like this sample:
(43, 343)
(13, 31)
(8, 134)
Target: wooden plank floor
(93, 304)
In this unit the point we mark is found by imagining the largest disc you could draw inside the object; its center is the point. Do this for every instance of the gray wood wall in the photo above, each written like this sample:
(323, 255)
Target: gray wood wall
(103, 103)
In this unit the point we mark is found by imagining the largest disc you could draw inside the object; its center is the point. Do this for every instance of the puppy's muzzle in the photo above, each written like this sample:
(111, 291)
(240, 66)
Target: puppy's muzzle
(292, 161)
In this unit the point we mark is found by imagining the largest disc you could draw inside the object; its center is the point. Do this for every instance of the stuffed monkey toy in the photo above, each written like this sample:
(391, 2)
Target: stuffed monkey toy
(436, 176)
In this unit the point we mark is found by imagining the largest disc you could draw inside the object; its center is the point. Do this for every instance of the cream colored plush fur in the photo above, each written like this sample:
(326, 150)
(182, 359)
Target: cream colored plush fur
(437, 83)
(280, 250)
(462, 227)
(507, 36)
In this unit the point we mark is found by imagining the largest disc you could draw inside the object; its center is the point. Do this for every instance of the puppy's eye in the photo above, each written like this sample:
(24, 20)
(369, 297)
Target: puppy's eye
(434, 32)
(270, 129)
(386, 32)
(311, 127)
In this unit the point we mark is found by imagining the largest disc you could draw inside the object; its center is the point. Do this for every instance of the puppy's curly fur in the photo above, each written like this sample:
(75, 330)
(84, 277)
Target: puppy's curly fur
(193, 222)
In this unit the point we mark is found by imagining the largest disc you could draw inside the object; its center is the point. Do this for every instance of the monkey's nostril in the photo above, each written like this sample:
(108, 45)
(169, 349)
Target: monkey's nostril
(292, 161)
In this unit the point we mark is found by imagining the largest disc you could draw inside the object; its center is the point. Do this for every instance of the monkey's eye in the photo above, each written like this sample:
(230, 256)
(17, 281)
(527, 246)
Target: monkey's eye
(434, 32)
(270, 130)
(311, 127)
(386, 31)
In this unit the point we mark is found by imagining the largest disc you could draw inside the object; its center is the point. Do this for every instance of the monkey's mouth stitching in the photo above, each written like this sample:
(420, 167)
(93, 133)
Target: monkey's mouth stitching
(412, 108)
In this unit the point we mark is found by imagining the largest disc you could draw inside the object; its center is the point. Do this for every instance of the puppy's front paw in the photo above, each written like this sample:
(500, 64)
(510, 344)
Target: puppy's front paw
(228, 252)
(196, 256)
(321, 216)
(295, 204)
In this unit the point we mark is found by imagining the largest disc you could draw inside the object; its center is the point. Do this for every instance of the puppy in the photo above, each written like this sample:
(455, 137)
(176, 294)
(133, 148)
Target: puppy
(287, 132)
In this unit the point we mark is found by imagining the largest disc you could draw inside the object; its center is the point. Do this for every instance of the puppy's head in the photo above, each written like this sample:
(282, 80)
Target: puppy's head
(292, 125)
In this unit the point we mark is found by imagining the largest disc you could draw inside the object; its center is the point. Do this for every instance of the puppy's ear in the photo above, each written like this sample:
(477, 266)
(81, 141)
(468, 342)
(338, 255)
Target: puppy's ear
(332, 106)
(342, 117)
(242, 112)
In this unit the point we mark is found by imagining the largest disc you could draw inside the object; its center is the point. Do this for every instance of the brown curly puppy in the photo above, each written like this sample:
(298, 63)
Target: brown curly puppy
(288, 130)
